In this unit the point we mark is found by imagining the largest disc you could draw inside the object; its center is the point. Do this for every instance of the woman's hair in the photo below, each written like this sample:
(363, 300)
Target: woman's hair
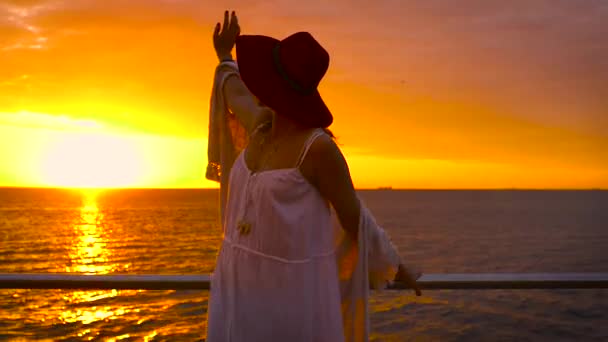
(265, 126)
(330, 133)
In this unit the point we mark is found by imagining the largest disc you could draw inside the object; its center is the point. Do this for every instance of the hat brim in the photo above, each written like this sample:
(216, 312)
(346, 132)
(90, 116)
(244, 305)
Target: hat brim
(258, 72)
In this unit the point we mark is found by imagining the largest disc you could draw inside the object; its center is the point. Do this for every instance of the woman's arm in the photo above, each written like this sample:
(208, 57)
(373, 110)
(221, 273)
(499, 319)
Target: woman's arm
(244, 105)
(240, 101)
(329, 173)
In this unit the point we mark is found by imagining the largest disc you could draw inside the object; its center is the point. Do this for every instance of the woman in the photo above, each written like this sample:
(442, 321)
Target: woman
(276, 277)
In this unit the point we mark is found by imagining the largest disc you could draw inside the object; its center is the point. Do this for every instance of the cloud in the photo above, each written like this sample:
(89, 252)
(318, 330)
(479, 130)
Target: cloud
(46, 121)
(16, 27)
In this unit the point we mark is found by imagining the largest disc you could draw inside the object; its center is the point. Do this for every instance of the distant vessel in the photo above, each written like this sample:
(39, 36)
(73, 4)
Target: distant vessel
(385, 188)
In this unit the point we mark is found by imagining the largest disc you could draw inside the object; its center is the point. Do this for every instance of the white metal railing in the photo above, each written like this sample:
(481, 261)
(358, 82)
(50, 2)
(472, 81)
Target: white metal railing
(456, 281)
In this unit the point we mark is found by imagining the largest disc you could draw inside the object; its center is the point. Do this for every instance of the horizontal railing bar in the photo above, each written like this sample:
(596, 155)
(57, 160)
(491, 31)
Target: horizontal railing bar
(510, 281)
(454, 281)
(104, 282)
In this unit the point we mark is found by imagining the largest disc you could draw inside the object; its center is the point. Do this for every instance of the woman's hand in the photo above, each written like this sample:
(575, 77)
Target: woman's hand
(408, 277)
(224, 39)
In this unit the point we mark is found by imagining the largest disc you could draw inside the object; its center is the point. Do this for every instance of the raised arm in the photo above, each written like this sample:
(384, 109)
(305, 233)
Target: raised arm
(244, 105)
(239, 99)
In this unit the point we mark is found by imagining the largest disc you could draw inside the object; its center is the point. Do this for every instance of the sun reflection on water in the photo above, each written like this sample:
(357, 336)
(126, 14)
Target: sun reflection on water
(89, 254)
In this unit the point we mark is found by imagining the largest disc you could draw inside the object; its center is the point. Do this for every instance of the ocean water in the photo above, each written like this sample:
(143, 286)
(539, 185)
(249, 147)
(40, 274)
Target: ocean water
(176, 232)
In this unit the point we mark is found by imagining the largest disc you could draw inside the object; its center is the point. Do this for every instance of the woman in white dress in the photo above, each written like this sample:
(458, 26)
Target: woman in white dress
(276, 277)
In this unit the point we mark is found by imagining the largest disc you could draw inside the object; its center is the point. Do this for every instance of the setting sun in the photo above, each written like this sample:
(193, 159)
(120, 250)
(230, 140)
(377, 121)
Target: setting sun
(92, 160)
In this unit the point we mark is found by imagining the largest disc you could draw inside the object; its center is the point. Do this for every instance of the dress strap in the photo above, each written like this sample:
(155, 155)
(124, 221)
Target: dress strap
(313, 136)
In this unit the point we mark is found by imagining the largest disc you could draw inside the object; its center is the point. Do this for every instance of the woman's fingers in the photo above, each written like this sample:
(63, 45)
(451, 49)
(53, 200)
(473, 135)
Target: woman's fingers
(235, 29)
(409, 277)
(226, 22)
(216, 31)
(413, 285)
(230, 27)
(234, 20)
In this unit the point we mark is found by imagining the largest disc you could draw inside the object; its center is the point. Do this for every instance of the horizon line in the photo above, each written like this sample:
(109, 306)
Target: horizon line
(357, 189)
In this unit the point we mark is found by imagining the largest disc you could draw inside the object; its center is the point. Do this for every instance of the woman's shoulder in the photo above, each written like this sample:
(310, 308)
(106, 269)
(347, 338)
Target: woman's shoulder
(324, 146)
(322, 156)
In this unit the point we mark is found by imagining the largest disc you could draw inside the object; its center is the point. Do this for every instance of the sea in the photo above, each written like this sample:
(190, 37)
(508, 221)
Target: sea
(177, 232)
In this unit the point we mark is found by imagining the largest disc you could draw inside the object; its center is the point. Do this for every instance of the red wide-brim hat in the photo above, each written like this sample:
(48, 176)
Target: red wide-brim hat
(284, 75)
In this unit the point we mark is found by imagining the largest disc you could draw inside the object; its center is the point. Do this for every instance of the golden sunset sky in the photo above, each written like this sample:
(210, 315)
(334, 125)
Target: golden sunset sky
(425, 94)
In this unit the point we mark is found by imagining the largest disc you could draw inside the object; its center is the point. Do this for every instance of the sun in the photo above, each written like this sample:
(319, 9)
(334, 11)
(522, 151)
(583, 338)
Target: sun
(91, 160)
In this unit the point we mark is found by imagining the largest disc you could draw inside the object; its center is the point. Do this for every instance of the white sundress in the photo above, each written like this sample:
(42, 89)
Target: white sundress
(279, 281)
